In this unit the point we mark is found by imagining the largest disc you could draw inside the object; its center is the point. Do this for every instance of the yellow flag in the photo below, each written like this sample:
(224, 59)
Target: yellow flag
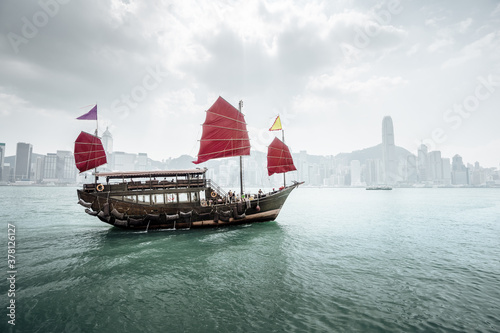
(277, 125)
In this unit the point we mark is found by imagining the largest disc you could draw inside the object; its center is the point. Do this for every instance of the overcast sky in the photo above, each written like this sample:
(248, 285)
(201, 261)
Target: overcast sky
(331, 69)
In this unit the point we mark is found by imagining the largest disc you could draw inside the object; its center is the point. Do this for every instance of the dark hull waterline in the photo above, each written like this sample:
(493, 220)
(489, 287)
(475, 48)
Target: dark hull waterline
(139, 216)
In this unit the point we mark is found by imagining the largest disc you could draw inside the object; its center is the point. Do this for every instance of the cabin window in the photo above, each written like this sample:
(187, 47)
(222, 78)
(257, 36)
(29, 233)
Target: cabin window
(195, 197)
(146, 199)
(171, 198)
(158, 199)
(130, 198)
(183, 197)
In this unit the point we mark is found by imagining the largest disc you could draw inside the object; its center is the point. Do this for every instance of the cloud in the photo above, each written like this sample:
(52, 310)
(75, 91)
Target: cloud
(496, 11)
(487, 44)
(347, 60)
(72, 56)
(464, 25)
(439, 44)
(413, 50)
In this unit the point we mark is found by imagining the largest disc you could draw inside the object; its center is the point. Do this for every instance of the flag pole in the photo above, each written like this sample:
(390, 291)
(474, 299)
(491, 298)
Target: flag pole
(96, 122)
(97, 135)
(283, 136)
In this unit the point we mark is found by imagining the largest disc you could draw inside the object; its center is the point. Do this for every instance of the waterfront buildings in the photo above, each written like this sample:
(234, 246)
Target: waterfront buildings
(382, 164)
(23, 161)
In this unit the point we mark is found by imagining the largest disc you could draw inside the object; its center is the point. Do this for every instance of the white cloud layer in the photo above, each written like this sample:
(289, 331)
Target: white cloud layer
(333, 70)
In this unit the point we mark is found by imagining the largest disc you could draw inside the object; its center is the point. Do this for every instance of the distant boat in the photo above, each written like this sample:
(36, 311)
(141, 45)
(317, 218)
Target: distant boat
(23, 183)
(379, 188)
(183, 198)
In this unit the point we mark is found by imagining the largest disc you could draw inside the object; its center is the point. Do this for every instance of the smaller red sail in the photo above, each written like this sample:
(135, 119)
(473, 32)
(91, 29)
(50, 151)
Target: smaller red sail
(279, 159)
(224, 133)
(89, 152)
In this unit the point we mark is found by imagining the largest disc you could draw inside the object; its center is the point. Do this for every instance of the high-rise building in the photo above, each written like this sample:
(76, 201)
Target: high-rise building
(373, 171)
(23, 161)
(355, 173)
(50, 168)
(459, 173)
(388, 151)
(411, 169)
(435, 166)
(422, 163)
(38, 165)
(107, 141)
(2, 159)
(66, 170)
(141, 163)
(446, 171)
(478, 175)
(124, 161)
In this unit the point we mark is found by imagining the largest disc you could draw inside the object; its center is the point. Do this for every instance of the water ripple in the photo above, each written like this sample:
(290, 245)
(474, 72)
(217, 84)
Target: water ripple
(337, 260)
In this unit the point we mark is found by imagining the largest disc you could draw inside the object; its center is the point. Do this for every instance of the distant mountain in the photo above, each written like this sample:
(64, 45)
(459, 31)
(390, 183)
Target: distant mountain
(375, 152)
(181, 162)
(371, 153)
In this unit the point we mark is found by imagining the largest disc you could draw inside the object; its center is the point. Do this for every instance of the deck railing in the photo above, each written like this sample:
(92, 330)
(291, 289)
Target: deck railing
(217, 188)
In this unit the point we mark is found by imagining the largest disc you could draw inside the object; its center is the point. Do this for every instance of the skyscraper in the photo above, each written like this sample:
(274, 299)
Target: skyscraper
(65, 166)
(435, 166)
(107, 142)
(388, 151)
(23, 161)
(422, 163)
(446, 171)
(411, 169)
(355, 173)
(2, 159)
(50, 167)
(459, 173)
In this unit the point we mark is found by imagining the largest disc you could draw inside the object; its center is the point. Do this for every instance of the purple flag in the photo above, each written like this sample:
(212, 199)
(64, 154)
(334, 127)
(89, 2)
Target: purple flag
(91, 115)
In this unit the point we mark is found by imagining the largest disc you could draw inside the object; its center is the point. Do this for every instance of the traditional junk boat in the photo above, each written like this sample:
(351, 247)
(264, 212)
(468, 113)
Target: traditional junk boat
(183, 198)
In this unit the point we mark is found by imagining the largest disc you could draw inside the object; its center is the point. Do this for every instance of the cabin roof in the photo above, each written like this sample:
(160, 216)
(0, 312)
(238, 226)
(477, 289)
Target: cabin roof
(151, 174)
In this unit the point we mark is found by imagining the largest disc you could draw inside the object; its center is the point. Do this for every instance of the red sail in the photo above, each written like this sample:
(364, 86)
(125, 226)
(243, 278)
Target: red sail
(279, 159)
(89, 152)
(224, 133)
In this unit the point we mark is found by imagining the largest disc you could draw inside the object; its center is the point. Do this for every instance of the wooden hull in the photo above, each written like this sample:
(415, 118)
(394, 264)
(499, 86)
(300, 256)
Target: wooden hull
(138, 216)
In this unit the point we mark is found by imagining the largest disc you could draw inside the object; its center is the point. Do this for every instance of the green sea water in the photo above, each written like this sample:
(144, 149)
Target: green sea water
(336, 260)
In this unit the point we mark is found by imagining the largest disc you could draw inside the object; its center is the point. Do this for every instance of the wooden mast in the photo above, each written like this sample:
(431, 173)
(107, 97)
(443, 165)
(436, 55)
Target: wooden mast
(241, 161)
(283, 137)
(96, 134)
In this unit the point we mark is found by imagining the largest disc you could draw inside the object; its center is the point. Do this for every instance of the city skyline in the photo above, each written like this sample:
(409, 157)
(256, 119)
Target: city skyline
(330, 69)
(108, 140)
(382, 164)
(387, 142)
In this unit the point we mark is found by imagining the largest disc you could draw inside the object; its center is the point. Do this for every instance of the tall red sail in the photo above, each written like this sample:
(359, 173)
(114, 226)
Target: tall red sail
(224, 133)
(89, 152)
(279, 159)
